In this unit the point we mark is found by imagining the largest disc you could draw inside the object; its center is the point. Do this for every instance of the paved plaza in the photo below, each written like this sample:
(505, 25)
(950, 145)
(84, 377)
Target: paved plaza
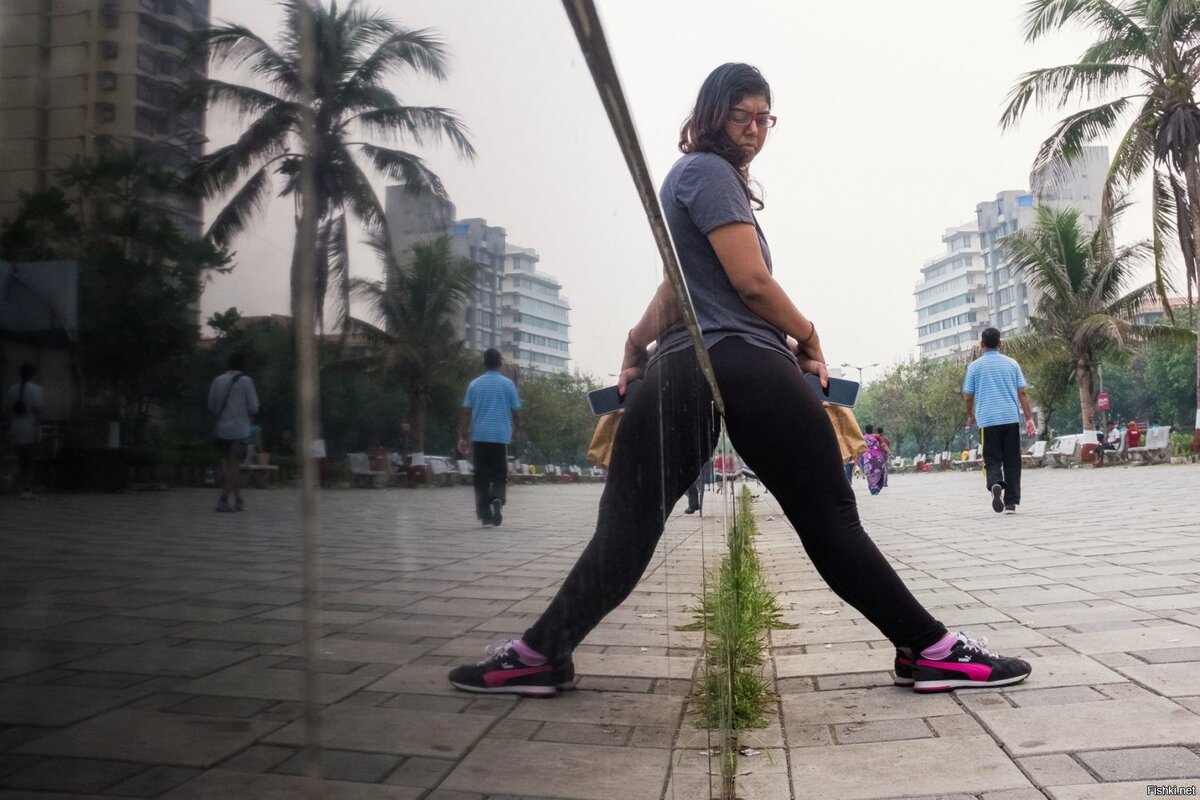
(152, 648)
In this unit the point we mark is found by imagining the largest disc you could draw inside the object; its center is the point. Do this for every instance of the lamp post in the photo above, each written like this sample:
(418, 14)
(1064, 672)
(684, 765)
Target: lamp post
(860, 369)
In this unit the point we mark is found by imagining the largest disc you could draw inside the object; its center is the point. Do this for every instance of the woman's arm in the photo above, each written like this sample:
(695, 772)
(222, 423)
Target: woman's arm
(736, 245)
(662, 311)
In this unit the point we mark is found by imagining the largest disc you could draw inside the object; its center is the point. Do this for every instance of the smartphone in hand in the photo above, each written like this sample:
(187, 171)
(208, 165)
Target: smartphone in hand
(606, 400)
(841, 392)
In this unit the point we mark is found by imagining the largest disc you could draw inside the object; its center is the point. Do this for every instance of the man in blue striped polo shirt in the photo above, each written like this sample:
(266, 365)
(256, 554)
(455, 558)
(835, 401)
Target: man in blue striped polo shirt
(489, 416)
(995, 392)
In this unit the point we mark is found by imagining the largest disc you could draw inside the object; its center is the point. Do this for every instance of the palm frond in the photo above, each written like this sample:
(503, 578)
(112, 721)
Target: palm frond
(1175, 20)
(248, 202)
(1042, 16)
(239, 47)
(416, 122)
(405, 168)
(1055, 87)
(360, 196)
(242, 100)
(1052, 162)
(337, 254)
(417, 49)
(265, 139)
(1163, 216)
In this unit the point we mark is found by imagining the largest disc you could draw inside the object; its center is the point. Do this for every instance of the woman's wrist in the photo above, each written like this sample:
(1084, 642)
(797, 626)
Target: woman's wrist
(812, 331)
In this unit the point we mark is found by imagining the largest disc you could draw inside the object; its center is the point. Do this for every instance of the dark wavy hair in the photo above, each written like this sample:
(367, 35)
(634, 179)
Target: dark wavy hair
(704, 129)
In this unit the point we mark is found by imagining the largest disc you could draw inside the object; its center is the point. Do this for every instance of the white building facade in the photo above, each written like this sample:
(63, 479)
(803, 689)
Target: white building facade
(513, 307)
(973, 286)
(535, 323)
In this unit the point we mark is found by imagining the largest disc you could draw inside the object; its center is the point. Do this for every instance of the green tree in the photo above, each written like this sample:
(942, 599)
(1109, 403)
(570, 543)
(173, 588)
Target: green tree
(1170, 374)
(416, 304)
(139, 277)
(1049, 378)
(555, 417)
(1153, 46)
(1084, 302)
(356, 51)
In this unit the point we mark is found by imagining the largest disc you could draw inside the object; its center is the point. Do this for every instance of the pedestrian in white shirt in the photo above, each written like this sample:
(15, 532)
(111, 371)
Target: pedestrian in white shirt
(24, 406)
(232, 402)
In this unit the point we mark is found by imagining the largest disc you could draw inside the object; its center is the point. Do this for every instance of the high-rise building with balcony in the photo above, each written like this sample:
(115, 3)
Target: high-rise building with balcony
(952, 295)
(80, 77)
(535, 323)
(513, 306)
(973, 286)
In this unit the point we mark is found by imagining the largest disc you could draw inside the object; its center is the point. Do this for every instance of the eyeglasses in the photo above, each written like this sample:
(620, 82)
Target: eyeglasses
(740, 116)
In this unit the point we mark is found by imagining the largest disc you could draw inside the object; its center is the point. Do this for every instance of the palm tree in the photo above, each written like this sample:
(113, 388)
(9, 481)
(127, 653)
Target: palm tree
(356, 50)
(1155, 46)
(416, 304)
(1084, 309)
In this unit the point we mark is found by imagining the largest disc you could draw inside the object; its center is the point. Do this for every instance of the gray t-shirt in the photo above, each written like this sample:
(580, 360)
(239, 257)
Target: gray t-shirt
(702, 192)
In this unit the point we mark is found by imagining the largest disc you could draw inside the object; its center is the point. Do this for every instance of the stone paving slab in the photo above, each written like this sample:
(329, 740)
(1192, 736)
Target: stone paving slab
(152, 737)
(381, 730)
(967, 764)
(577, 772)
(1094, 725)
(1118, 791)
(222, 784)
(203, 627)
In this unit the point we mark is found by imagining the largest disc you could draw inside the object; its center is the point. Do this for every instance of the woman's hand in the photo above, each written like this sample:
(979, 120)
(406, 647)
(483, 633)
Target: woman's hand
(633, 365)
(810, 358)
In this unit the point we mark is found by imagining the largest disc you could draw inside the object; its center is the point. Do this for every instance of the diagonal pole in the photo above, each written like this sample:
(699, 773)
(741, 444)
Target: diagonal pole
(588, 30)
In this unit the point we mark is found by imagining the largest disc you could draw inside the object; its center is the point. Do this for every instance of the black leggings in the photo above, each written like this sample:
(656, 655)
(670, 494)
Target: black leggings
(782, 432)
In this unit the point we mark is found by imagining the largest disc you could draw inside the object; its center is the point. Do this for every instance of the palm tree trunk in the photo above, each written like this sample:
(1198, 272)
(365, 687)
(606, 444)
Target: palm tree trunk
(1087, 411)
(1193, 188)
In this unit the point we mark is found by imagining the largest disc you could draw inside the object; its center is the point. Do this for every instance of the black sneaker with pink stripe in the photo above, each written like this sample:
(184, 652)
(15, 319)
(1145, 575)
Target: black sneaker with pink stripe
(503, 672)
(968, 665)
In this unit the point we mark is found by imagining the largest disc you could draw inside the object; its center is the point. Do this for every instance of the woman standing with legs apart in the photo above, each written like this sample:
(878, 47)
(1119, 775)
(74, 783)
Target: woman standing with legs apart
(760, 346)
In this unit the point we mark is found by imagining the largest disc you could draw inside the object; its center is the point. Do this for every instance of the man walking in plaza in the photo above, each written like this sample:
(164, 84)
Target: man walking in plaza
(489, 417)
(232, 402)
(995, 393)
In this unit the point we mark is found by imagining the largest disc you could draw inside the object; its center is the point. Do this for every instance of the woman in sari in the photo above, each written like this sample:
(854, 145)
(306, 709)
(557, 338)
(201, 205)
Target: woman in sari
(874, 461)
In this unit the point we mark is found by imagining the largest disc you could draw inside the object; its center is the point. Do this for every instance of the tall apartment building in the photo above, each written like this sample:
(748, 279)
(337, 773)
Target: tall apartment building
(513, 307)
(952, 295)
(535, 323)
(973, 286)
(79, 77)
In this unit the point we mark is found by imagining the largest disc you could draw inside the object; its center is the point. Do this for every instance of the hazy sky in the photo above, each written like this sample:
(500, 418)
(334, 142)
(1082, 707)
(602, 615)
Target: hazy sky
(887, 136)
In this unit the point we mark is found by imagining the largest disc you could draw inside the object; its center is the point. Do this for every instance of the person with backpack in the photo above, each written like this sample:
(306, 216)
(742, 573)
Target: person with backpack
(24, 404)
(232, 402)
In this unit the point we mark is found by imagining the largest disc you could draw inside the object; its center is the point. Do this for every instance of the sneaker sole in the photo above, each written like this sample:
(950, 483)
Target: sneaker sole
(997, 499)
(523, 691)
(929, 687)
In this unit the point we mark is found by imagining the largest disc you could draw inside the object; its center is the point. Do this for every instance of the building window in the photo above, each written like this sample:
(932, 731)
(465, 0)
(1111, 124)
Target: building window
(106, 112)
(146, 121)
(147, 90)
(150, 5)
(109, 49)
(109, 17)
(147, 59)
(147, 29)
(106, 80)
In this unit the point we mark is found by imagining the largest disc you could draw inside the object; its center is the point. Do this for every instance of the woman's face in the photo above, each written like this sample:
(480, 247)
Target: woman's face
(751, 136)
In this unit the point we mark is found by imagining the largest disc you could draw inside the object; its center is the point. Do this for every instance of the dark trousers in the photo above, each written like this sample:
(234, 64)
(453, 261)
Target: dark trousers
(695, 493)
(780, 429)
(1002, 459)
(491, 476)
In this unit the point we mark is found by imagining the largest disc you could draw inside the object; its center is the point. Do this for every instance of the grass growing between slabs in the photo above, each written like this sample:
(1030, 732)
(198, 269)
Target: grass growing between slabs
(736, 612)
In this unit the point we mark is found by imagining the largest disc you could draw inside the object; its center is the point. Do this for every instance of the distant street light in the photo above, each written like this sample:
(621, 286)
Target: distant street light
(860, 369)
